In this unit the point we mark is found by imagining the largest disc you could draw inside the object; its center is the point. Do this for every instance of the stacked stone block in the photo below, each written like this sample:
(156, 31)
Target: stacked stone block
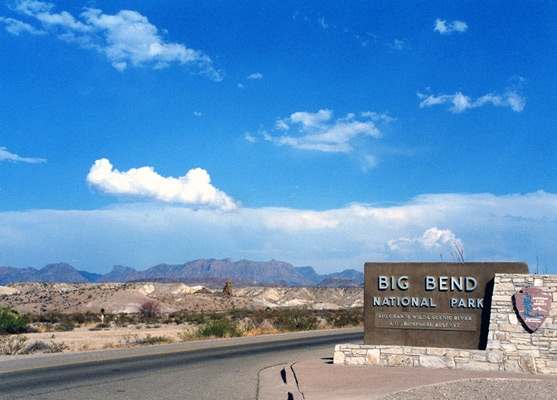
(510, 346)
(523, 351)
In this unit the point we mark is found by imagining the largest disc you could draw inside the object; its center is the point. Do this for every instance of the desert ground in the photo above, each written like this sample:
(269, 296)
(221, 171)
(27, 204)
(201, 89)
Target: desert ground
(109, 313)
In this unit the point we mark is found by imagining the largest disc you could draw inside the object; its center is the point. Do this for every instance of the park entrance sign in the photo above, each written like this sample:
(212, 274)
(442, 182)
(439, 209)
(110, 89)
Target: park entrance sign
(430, 304)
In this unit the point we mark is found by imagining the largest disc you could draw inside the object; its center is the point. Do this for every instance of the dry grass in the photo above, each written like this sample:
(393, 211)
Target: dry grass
(19, 344)
(261, 331)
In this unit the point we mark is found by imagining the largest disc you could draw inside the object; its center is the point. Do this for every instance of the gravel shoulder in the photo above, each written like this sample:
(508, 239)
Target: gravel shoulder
(481, 389)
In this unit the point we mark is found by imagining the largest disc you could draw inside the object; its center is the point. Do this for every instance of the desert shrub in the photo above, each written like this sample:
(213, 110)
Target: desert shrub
(124, 319)
(77, 318)
(12, 321)
(240, 312)
(52, 316)
(153, 340)
(44, 347)
(347, 318)
(150, 309)
(264, 315)
(100, 326)
(175, 318)
(10, 345)
(196, 318)
(219, 328)
(56, 317)
(65, 326)
(17, 344)
(172, 320)
(297, 320)
(215, 316)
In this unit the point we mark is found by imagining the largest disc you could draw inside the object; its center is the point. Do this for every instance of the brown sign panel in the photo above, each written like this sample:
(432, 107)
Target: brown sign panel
(430, 304)
(532, 306)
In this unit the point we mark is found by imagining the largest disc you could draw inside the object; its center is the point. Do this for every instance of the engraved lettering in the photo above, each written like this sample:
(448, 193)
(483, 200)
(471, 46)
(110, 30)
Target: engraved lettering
(402, 283)
(456, 283)
(471, 284)
(383, 283)
(443, 283)
(429, 283)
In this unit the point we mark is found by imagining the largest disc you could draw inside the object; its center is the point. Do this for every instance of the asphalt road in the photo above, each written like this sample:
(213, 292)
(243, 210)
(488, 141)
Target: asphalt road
(217, 369)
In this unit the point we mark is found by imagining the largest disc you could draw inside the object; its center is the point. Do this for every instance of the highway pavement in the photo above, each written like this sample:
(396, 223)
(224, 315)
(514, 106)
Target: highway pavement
(211, 369)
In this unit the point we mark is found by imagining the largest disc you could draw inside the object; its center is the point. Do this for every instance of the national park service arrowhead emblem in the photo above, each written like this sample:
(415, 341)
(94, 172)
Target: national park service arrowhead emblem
(532, 306)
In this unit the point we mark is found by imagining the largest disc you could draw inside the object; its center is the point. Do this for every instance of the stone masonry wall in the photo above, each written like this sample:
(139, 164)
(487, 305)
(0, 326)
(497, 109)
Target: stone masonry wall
(508, 340)
(510, 346)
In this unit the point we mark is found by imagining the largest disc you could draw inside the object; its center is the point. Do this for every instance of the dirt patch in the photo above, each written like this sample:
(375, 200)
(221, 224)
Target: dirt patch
(83, 338)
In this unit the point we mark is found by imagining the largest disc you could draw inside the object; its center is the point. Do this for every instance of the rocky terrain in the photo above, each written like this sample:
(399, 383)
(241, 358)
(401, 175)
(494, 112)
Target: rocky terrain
(115, 298)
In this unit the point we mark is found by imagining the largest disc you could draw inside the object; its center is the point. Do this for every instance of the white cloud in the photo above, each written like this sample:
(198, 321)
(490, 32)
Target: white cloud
(281, 125)
(256, 76)
(312, 120)
(193, 189)
(396, 45)
(445, 28)
(5, 155)
(126, 38)
(385, 117)
(461, 102)
(283, 219)
(434, 242)
(197, 114)
(319, 131)
(16, 27)
(250, 138)
(494, 228)
(369, 162)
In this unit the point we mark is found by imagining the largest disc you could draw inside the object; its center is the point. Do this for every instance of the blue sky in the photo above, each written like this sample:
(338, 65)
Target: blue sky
(319, 133)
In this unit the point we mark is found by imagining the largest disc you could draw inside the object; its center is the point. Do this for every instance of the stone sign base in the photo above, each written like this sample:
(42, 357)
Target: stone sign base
(511, 347)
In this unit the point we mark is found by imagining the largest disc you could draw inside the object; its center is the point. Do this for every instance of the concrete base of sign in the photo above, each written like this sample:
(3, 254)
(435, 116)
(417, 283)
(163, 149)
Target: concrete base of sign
(511, 347)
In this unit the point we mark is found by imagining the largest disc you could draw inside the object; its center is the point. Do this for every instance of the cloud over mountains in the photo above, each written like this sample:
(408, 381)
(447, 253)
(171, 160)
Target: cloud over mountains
(491, 228)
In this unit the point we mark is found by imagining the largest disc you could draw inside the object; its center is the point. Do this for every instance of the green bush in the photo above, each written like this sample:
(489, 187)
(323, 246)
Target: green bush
(12, 321)
(297, 320)
(153, 340)
(65, 326)
(50, 316)
(196, 318)
(77, 318)
(348, 318)
(219, 328)
(100, 326)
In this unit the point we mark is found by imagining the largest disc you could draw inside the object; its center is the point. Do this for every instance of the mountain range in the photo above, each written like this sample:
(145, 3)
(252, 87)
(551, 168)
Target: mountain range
(246, 272)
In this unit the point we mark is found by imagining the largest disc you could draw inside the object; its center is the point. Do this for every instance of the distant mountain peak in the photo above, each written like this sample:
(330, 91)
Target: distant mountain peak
(267, 272)
(122, 268)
